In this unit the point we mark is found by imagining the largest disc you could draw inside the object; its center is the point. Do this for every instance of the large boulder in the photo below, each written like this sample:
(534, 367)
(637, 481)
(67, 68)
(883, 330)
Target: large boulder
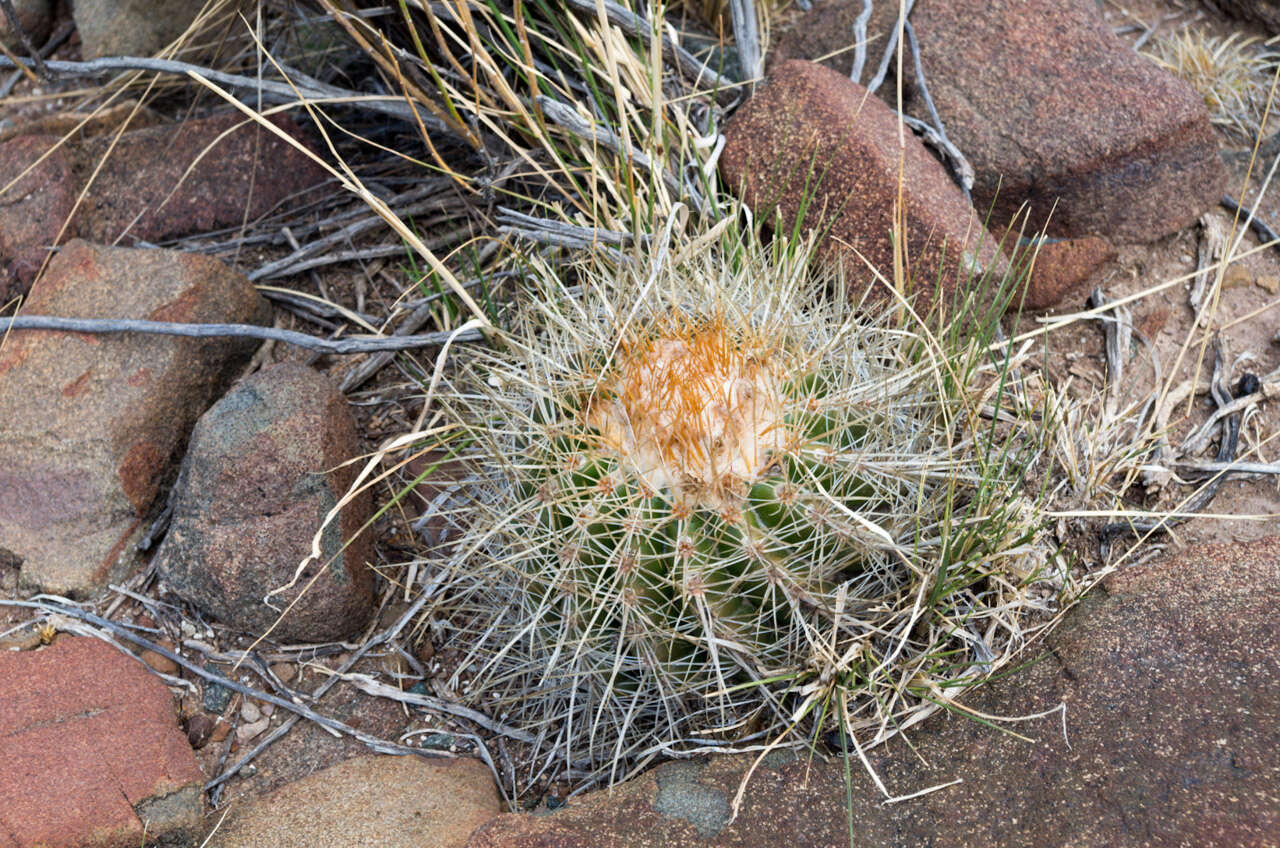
(89, 423)
(1055, 111)
(264, 467)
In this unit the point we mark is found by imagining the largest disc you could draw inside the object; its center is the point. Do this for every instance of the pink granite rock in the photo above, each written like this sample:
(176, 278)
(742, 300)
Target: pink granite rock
(33, 211)
(1055, 111)
(810, 140)
(264, 467)
(91, 751)
(158, 182)
(89, 423)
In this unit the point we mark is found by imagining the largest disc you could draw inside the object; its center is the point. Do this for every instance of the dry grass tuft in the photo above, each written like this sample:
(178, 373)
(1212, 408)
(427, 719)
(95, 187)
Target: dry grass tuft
(1232, 74)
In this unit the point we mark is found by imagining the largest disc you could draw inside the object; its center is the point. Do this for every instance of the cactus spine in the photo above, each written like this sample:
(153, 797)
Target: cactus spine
(702, 494)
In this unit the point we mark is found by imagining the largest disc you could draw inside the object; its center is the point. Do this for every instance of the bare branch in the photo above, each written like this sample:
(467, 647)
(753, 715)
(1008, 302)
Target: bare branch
(276, 92)
(359, 344)
(860, 42)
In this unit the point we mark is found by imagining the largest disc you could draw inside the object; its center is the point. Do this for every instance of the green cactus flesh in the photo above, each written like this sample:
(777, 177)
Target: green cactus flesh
(654, 571)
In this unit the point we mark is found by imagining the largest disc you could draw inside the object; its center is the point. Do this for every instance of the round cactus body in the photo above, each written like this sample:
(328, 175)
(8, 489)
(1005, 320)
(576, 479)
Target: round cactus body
(695, 493)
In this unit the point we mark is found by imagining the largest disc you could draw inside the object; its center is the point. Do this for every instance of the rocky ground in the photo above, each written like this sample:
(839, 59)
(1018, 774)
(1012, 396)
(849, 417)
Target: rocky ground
(144, 700)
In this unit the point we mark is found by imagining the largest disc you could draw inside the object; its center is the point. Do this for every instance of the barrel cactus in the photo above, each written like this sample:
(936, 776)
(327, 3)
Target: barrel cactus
(701, 500)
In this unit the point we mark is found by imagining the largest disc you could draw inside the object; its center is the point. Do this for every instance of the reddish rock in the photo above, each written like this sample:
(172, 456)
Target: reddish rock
(159, 661)
(810, 130)
(1171, 681)
(826, 30)
(33, 211)
(264, 468)
(88, 423)
(370, 800)
(1063, 268)
(146, 192)
(92, 752)
(158, 182)
(36, 19)
(82, 125)
(200, 729)
(1055, 111)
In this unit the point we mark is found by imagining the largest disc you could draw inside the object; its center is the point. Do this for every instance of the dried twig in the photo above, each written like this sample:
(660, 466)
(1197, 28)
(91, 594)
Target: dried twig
(360, 344)
(860, 42)
(54, 42)
(267, 90)
(285, 726)
(1229, 468)
(889, 48)
(415, 319)
(1226, 454)
(378, 251)
(635, 25)
(963, 170)
(56, 608)
(569, 119)
(560, 234)
(1265, 233)
(746, 37)
(588, 236)
(1244, 398)
(15, 25)
(1209, 254)
(316, 309)
(964, 173)
(286, 265)
(1118, 329)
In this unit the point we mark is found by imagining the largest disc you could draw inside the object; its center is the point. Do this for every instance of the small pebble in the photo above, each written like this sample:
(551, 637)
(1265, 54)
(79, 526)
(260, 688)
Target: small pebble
(200, 729)
(249, 712)
(216, 696)
(246, 732)
(285, 672)
(23, 639)
(267, 709)
(220, 730)
(158, 661)
(437, 741)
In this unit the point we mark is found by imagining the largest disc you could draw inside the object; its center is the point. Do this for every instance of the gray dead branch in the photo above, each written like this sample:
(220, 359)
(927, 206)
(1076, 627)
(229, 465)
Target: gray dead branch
(360, 344)
(300, 88)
